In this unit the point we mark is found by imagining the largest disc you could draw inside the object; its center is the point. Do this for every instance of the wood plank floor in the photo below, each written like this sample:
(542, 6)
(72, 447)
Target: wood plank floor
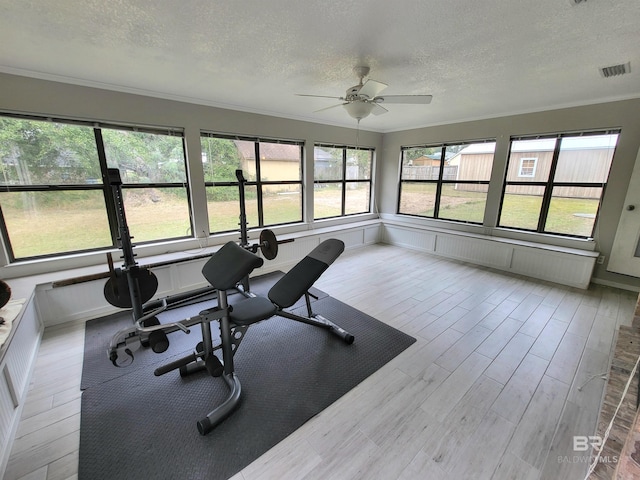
(505, 371)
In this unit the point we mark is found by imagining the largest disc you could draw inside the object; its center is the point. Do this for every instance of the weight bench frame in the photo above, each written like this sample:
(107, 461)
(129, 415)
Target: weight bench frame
(227, 270)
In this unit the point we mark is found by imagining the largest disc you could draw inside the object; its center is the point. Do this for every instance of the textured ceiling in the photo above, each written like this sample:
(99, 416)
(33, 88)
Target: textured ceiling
(478, 59)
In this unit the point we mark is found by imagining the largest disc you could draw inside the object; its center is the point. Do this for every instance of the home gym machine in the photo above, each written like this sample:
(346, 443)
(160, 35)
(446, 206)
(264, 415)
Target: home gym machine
(133, 286)
(227, 270)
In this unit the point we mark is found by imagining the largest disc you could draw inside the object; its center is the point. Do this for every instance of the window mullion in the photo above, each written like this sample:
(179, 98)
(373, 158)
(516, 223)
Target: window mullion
(259, 185)
(436, 205)
(548, 190)
(344, 181)
(5, 235)
(106, 187)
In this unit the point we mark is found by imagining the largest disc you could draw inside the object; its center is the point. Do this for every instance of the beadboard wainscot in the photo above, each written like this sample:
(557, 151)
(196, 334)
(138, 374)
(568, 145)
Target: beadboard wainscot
(181, 272)
(17, 358)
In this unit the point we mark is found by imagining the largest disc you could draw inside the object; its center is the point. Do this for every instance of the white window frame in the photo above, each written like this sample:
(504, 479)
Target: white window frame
(533, 170)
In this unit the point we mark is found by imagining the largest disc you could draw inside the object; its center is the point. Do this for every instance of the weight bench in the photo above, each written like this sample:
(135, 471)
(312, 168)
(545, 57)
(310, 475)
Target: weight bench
(225, 270)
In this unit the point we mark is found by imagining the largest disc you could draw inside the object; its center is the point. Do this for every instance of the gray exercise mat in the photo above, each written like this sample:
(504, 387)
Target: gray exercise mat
(138, 426)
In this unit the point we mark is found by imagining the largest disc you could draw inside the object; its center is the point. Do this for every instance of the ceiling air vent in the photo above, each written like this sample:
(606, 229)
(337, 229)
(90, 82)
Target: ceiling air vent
(614, 70)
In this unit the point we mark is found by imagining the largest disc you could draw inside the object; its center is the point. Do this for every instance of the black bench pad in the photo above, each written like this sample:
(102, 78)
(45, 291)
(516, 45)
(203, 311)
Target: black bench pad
(296, 282)
(304, 274)
(252, 310)
(229, 265)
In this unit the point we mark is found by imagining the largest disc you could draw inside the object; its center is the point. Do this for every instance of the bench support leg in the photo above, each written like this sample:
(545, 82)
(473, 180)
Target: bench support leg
(319, 321)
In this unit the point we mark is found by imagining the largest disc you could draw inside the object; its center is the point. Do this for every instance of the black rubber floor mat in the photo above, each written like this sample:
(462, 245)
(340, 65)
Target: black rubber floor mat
(140, 426)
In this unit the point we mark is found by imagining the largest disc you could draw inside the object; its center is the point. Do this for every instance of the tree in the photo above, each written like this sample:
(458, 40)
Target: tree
(46, 153)
(145, 157)
(221, 159)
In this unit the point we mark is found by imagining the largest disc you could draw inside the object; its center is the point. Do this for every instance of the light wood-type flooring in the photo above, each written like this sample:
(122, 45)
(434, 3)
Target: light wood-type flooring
(505, 372)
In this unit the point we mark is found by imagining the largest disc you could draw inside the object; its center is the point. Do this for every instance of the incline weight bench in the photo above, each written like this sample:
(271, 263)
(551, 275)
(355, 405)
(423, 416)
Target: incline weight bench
(228, 267)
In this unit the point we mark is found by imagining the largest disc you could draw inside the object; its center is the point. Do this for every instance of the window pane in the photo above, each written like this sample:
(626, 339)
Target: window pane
(145, 157)
(45, 223)
(356, 197)
(417, 198)
(573, 210)
(46, 153)
(223, 205)
(421, 163)
(329, 196)
(221, 158)
(421, 156)
(530, 156)
(469, 162)
(280, 162)
(281, 204)
(327, 163)
(585, 159)
(157, 213)
(521, 206)
(464, 202)
(327, 200)
(358, 164)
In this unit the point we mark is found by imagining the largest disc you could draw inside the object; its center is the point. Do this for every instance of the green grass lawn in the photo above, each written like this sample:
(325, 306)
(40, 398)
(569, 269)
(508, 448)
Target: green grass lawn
(55, 223)
(572, 216)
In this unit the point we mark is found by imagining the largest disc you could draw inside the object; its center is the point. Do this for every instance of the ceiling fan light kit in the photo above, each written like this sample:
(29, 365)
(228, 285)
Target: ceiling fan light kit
(363, 99)
(358, 110)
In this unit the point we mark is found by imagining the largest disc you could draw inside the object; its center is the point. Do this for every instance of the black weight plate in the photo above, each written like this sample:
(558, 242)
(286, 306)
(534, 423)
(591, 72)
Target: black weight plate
(268, 244)
(116, 290)
(5, 293)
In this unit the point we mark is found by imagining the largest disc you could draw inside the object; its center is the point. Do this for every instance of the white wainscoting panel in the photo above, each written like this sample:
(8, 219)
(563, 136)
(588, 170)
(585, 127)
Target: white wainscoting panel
(187, 275)
(565, 266)
(557, 267)
(8, 412)
(84, 301)
(372, 234)
(22, 351)
(474, 250)
(409, 237)
(16, 367)
(81, 301)
(351, 238)
(179, 277)
(168, 280)
(288, 255)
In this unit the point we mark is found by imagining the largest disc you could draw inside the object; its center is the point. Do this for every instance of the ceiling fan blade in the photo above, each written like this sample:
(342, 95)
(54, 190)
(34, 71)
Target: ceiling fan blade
(378, 109)
(407, 99)
(318, 96)
(329, 108)
(371, 88)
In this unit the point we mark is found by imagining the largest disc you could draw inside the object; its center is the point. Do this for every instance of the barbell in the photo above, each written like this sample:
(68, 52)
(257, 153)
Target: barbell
(269, 244)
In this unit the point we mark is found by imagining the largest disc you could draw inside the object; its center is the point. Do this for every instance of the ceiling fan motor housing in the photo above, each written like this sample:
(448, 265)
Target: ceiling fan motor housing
(352, 92)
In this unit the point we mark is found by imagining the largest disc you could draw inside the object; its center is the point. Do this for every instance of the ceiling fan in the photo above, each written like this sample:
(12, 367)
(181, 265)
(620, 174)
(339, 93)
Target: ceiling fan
(363, 99)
